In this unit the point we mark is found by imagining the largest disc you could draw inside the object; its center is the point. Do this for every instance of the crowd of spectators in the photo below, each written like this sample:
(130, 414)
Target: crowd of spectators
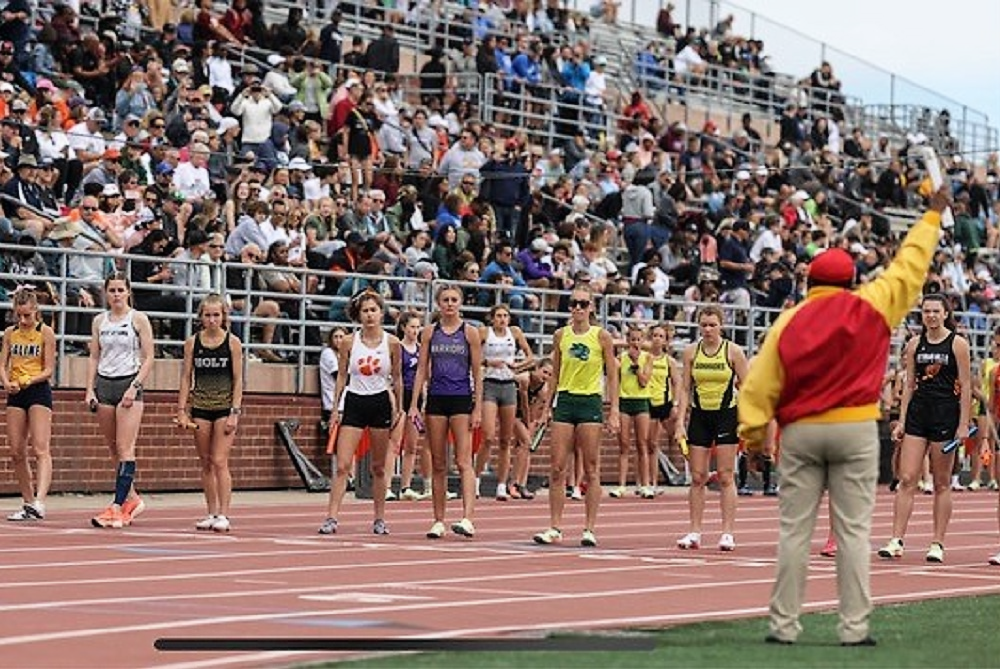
(161, 143)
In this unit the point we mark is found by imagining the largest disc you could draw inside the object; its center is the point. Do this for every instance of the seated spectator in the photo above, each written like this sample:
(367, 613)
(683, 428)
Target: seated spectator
(536, 272)
(156, 270)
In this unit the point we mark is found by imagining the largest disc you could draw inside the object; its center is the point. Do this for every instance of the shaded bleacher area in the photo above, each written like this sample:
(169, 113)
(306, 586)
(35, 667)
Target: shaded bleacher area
(247, 142)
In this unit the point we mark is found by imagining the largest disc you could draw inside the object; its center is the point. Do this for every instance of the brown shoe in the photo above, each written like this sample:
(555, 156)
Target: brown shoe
(267, 355)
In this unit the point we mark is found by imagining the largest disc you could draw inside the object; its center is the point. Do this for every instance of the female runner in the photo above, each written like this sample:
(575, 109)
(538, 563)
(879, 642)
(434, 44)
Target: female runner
(27, 361)
(210, 402)
(937, 401)
(451, 365)
(370, 372)
(712, 368)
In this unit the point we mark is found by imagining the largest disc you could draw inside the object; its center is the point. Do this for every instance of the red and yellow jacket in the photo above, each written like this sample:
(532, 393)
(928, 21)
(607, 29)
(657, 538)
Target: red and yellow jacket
(824, 360)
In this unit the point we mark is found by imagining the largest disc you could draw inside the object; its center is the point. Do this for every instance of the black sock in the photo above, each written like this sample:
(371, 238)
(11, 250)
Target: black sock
(123, 481)
(765, 472)
(741, 471)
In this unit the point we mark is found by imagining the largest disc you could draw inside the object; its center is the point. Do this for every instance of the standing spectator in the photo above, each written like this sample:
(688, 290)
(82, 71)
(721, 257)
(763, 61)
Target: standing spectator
(735, 266)
(331, 40)
(256, 107)
(464, 157)
(383, 53)
(506, 189)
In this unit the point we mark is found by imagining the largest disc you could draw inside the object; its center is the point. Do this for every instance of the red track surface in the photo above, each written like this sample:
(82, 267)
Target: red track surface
(71, 596)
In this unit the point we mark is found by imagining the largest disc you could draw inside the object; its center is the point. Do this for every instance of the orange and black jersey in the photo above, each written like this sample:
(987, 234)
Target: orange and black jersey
(936, 370)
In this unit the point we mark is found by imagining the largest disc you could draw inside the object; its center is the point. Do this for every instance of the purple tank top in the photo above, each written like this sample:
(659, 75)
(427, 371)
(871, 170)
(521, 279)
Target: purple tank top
(409, 361)
(450, 363)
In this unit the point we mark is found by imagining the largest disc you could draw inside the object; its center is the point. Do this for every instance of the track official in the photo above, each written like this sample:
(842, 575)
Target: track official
(819, 373)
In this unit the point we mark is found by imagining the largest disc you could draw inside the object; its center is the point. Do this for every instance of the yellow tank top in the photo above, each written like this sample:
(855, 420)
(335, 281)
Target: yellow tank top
(714, 382)
(582, 364)
(659, 381)
(26, 350)
(629, 388)
(989, 364)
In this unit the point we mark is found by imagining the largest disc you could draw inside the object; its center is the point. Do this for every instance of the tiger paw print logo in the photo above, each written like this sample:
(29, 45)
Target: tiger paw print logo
(370, 365)
(580, 351)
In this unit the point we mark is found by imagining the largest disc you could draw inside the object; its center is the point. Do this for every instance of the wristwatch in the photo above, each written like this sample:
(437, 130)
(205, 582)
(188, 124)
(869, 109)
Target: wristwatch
(235, 411)
(137, 385)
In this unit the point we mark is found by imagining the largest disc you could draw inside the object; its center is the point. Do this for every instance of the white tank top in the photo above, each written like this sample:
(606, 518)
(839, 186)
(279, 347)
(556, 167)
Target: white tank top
(119, 343)
(499, 347)
(369, 368)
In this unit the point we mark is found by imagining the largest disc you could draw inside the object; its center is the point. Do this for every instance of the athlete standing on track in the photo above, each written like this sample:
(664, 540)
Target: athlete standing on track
(712, 368)
(936, 406)
(408, 332)
(501, 344)
(210, 402)
(662, 391)
(121, 357)
(635, 367)
(451, 363)
(27, 361)
(820, 372)
(369, 369)
(581, 354)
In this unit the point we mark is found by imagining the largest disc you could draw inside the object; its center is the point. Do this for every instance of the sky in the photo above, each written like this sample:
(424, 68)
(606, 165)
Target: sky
(951, 48)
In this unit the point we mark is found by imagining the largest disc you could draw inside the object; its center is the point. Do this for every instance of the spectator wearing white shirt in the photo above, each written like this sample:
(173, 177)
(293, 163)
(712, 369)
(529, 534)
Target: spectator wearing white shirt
(255, 106)
(220, 70)
(85, 137)
(769, 238)
(277, 80)
(191, 178)
(193, 271)
(688, 64)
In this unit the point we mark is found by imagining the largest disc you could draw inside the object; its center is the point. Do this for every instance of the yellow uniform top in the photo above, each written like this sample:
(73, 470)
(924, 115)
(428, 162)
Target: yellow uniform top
(26, 349)
(660, 391)
(714, 381)
(989, 364)
(582, 364)
(630, 388)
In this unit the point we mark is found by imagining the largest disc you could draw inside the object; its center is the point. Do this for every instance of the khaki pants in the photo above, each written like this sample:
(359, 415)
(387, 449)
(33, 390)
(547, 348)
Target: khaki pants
(843, 458)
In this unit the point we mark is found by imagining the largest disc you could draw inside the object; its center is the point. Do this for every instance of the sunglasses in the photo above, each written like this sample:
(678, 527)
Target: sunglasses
(86, 208)
(159, 125)
(579, 304)
(216, 246)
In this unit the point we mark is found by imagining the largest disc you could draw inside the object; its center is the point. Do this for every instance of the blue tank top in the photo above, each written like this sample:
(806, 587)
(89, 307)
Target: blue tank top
(450, 363)
(410, 361)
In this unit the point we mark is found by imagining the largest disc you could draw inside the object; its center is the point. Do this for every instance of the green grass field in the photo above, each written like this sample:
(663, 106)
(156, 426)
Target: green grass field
(957, 632)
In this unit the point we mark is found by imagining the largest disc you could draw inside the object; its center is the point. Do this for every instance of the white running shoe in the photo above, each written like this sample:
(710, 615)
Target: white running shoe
(436, 531)
(464, 528)
(995, 560)
(206, 522)
(690, 541)
(727, 543)
(221, 524)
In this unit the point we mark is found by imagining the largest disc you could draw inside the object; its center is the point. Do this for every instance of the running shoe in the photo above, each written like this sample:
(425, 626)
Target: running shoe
(993, 485)
(727, 543)
(771, 491)
(957, 487)
(329, 526)
(525, 492)
(549, 536)
(893, 549)
(995, 560)
(29, 511)
(514, 491)
(464, 528)
(577, 495)
(927, 487)
(501, 495)
(436, 531)
(409, 495)
(113, 517)
(390, 496)
(588, 540)
(974, 486)
(132, 507)
(893, 485)
(379, 527)
(745, 491)
(221, 524)
(690, 541)
(206, 522)
(830, 548)
(935, 553)
(649, 493)
(619, 492)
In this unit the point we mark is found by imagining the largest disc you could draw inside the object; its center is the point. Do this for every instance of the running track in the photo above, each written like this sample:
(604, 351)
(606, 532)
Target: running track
(72, 596)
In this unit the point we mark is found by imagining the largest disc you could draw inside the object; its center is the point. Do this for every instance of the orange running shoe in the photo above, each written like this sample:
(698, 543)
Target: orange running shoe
(132, 507)
(830, 549)
(111, 517)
